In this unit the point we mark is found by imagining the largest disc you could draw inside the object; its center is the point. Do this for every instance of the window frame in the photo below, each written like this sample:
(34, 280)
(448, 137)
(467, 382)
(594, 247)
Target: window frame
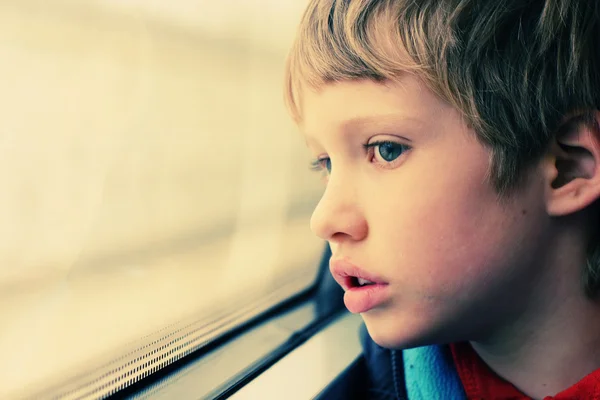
(157, 363)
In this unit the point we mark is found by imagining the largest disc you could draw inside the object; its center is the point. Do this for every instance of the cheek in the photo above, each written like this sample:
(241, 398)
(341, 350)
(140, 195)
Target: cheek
(446, 257)
(440, 248)
(447, 236)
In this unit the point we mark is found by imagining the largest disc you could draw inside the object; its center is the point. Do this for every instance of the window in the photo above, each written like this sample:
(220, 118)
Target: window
(154, 191)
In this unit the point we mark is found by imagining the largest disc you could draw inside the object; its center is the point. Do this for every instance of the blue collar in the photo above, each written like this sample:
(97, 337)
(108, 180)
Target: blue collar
(429, 373)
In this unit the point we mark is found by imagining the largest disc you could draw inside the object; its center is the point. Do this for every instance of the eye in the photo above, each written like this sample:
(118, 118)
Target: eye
(321, 163)
(386, 152)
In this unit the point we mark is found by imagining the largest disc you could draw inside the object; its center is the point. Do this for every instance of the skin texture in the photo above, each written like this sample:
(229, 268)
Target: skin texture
(461, 263)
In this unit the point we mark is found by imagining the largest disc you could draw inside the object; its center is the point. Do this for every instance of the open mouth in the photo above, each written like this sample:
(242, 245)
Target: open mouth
(363, 290)
(359, 282)
(351, 277)
(354, 282)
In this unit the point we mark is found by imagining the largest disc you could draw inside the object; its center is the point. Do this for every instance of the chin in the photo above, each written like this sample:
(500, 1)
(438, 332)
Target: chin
(402, 333)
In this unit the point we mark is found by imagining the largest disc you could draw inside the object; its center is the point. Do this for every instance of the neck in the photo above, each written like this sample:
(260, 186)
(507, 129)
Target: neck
(552, 345)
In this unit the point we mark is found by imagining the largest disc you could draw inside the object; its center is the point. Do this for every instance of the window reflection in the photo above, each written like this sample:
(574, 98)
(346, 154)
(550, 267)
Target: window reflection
(150, 174)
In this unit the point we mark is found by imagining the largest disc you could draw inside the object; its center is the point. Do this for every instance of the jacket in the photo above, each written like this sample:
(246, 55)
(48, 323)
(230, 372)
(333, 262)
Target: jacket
(422, 373)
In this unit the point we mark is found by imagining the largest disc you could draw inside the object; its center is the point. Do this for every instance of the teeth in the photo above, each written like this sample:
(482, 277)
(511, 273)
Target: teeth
(363, 282)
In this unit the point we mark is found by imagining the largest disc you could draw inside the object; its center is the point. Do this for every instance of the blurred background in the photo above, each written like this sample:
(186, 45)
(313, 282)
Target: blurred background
(149, 173)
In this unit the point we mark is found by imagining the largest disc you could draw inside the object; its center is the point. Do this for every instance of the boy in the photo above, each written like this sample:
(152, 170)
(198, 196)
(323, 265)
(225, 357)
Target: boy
(461, 144)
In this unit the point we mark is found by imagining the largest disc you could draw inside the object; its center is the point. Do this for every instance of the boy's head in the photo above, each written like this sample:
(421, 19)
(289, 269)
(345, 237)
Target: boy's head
(463, 147)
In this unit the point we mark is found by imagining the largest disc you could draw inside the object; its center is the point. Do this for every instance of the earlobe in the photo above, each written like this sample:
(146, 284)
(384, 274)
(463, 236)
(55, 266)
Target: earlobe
(573, 165)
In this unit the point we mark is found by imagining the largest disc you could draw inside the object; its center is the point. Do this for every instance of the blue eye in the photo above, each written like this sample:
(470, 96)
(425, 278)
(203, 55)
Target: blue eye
(390, 151)
(387, 151)
(321, 163)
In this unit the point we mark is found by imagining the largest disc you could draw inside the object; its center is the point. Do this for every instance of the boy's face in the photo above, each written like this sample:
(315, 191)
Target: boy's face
(420, 214)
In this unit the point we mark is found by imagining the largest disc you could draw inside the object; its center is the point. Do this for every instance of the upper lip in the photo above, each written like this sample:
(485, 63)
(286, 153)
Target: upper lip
(346, 273)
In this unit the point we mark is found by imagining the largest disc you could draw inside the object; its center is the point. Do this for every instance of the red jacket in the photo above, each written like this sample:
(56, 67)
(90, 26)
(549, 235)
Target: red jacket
(480, 382)
(394, 375)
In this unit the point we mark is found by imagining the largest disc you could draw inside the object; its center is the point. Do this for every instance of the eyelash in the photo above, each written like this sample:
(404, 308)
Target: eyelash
(318, 164)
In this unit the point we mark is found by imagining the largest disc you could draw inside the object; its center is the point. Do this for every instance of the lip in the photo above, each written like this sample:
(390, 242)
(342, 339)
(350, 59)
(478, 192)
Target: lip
(358, 299)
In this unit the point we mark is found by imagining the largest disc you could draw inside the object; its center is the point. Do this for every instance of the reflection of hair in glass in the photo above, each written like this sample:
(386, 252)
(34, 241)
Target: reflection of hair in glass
(513, 69)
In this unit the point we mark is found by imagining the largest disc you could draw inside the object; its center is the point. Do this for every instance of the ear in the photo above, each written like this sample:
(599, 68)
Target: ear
(573, 165)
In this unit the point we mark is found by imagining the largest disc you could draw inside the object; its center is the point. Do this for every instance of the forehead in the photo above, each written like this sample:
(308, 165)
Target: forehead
(353, 105)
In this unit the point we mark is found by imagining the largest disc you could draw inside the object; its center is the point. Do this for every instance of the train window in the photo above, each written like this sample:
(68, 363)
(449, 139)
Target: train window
(155, 194)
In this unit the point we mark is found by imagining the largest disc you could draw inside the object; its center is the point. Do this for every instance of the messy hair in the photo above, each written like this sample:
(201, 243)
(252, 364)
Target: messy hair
(514, 69)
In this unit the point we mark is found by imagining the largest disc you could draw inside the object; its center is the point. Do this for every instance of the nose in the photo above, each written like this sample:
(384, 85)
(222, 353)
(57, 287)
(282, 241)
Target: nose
(338, 216)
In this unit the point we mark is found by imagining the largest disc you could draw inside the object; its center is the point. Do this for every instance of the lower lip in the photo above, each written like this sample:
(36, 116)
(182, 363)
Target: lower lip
(361, 299)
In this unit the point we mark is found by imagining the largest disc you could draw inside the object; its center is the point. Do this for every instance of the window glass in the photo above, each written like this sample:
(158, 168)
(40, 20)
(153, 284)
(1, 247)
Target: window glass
(150, 175)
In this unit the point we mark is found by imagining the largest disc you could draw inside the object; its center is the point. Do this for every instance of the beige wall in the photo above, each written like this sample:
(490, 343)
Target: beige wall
(119, 134)
(148, 174)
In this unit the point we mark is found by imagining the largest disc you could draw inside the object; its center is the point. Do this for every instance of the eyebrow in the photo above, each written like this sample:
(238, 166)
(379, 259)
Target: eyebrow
(386, 122)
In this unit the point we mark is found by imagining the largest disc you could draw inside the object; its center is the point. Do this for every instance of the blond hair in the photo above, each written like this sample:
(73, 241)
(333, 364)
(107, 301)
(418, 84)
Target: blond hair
(514, 69)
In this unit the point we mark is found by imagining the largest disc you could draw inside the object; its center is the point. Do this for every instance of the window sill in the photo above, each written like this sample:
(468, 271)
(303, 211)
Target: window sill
(309, 369)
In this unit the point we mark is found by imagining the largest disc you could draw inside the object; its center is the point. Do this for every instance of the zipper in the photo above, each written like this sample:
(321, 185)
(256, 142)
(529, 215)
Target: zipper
(395, 374)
